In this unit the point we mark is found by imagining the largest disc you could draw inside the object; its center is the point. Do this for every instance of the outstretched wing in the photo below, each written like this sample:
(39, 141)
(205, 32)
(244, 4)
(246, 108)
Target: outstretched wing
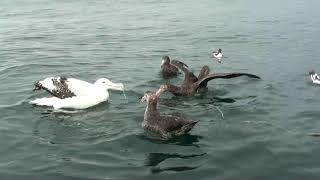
(204, 72)
(204, 81)
(188, 76)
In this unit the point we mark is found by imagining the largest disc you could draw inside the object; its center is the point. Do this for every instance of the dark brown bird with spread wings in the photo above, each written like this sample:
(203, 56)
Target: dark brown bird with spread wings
(191, 84)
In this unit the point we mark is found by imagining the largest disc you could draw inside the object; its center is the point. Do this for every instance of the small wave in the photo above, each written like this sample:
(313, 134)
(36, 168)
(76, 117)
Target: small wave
(26, 67)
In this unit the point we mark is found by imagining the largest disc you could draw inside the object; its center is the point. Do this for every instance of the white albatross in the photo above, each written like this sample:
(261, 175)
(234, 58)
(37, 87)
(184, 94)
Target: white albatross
(74, 93)
(314, 77)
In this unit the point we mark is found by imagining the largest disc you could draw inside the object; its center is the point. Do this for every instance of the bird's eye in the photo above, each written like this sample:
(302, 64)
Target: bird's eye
(103, 82)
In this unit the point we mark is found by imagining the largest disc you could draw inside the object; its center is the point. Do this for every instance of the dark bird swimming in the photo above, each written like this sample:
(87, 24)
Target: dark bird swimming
(165, 124)
(192, 84)
(167, 69)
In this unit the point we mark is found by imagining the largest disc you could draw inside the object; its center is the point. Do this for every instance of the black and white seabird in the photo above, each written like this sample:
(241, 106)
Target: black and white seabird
(74, 93)
(165, 124)
(218, 54)
(191, 84)
(314, 77)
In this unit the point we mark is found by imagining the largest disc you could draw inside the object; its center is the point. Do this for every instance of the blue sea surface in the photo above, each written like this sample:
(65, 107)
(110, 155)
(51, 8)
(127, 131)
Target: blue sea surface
(263, 129)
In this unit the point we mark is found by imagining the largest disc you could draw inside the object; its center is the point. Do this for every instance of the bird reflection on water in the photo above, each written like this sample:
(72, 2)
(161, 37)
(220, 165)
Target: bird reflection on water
(154, 159)
(183, 140)
(177, 169)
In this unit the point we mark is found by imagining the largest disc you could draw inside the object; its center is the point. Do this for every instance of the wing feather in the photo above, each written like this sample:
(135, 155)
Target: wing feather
(204, 81)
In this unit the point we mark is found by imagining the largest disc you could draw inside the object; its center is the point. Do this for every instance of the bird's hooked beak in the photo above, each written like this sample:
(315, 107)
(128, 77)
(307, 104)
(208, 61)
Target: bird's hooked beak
(143, 98)
(162, 89)
(179, 63)
(116, 86)
(184, 64)
(146, 96)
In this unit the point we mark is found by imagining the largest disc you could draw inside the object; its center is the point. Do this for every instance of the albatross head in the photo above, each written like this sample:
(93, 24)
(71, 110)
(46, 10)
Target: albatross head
(107, 84)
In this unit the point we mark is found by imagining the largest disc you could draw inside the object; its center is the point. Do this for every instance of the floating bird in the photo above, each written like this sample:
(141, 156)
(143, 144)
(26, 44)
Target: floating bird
(192, 84)
(74, 93)
(165, 124)
(168, 69)
(218, 55)
(314, 77)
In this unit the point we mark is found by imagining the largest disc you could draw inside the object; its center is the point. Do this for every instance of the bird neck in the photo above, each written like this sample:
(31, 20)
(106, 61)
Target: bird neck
(152, 106)
(151, 111)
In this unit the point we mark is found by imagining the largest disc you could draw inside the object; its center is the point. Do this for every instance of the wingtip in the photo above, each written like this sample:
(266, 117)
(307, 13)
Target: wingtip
(194, 123)
(254, 76)
(257, 77)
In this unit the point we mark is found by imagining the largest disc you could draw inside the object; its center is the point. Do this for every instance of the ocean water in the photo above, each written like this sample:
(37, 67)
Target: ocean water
(263, 133)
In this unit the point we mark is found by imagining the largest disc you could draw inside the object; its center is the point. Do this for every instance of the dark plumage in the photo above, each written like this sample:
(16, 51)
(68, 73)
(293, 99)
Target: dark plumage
(191, 84)
(165, 124)
(312, 72)
(167, 69)
(56, 86)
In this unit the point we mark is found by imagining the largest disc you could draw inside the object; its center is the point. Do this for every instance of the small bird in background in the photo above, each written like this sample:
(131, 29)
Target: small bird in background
(314, 77)
(218, 55)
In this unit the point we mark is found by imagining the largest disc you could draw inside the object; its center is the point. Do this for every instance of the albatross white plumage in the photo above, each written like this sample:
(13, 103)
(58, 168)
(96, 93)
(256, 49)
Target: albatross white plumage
(314, 77)
(74, 93)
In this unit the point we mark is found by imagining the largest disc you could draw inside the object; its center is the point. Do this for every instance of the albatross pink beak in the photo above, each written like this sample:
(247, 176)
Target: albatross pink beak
(116, 86)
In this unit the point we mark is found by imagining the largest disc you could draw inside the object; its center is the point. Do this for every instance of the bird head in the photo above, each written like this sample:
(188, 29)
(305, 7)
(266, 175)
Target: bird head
(152, 95)
(107, 84)
(312, 72)
(165, 60)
